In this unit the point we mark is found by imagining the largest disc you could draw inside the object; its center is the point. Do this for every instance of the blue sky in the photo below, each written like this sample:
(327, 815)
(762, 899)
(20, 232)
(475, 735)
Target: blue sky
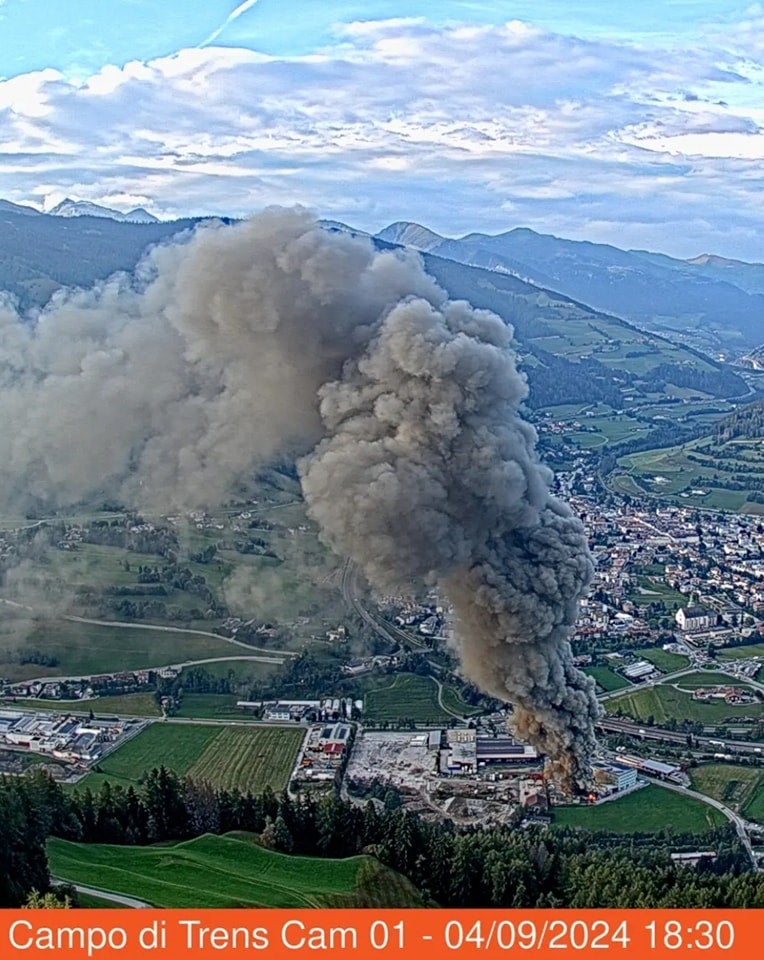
(635, 124)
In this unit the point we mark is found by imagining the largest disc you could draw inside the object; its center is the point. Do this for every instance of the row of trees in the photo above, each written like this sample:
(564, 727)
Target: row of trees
(497, 867)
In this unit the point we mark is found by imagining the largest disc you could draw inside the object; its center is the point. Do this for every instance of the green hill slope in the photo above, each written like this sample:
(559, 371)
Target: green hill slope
(229, 871)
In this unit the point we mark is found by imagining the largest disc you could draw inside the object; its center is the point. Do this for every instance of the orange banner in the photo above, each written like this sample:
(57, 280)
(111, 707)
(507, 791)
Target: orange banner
(390, 934)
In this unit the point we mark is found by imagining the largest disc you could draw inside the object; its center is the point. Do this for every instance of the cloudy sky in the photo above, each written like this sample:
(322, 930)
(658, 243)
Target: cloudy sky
(638, 124)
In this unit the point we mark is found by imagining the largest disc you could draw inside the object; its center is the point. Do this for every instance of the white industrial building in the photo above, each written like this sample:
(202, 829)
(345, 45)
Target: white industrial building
(639, 670)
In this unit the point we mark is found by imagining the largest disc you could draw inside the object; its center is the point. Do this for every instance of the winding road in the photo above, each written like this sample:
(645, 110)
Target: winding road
(734, 818)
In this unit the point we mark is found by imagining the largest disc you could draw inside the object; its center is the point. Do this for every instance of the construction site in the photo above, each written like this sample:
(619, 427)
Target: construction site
(452, 774)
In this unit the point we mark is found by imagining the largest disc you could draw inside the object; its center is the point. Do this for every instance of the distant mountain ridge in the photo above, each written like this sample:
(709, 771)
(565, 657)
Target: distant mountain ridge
(84, 208)
(570, 352)
(709, 302)
(40, 253)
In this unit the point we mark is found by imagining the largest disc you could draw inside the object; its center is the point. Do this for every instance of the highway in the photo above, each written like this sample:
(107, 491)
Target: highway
(349, 589)
(629, 727)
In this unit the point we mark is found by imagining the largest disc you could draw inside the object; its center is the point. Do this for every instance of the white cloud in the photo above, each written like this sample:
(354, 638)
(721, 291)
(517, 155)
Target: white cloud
(461, 127)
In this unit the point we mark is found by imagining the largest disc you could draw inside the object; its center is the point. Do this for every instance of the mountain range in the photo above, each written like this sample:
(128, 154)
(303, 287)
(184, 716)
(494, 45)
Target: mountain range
(84, 208)
(571, 352)
(709, 302)
(39, 252)
(81, 208)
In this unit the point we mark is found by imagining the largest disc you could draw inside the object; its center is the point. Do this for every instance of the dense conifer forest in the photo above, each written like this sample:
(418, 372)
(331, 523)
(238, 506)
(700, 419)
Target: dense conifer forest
(500, 866)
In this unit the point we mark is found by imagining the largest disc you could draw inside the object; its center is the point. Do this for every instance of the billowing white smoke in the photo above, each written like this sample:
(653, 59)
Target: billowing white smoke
(276, 338)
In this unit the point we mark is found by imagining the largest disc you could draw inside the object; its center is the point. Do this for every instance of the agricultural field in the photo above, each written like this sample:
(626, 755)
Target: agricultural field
(687, 474)
(664, 702)
(127, 705)
(249, 758)
(648, 810)
(83, 649)
(266, 562)
(229, 871)
(606, 678)
(211, 706)
(664, 660)
(741, 788)
(406, 697)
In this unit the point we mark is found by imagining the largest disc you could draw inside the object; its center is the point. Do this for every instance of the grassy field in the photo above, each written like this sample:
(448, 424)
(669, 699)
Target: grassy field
(453, 701)
(405, 697)
(741, 788)
(652, 590)
(741, 653)
(229, 871)
(663, 659)
(250, 758)
(83, 649)
(707, 678)
(648, 810)
(87, 901)
(663, 702)
(240, 671)
(128, 705)
(211, 706)
(606, 678)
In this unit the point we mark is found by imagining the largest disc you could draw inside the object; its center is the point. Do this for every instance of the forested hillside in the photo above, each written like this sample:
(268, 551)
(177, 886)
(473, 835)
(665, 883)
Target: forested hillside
(497, 867)
(746, 422)
(40, 253)
(571, 353)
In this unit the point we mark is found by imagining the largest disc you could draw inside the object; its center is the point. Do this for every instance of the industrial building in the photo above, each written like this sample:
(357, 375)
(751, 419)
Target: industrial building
(653, 768)
(61, 736)
(466, 752)
(616, 775)
(639, 671)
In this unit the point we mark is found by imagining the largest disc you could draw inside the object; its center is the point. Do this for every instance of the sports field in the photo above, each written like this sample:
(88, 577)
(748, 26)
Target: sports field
(229, 871)
(663, 659)
(249, 758)
(741, 788)
(606, 678)
(647, 810)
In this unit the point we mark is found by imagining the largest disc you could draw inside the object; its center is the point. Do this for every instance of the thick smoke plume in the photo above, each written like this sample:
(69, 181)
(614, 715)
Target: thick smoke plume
(275, 338)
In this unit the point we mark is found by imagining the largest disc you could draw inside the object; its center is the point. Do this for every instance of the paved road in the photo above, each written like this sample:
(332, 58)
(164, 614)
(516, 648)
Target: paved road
(183, 663)
(123, 625)
(634, 688)
(440, 700)
(103, 894)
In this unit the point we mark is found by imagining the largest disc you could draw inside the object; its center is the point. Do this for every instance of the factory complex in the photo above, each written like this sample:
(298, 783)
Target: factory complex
(62, 737)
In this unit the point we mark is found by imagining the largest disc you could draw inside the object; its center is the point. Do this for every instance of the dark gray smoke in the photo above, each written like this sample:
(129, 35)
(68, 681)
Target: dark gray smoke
(277, 338)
